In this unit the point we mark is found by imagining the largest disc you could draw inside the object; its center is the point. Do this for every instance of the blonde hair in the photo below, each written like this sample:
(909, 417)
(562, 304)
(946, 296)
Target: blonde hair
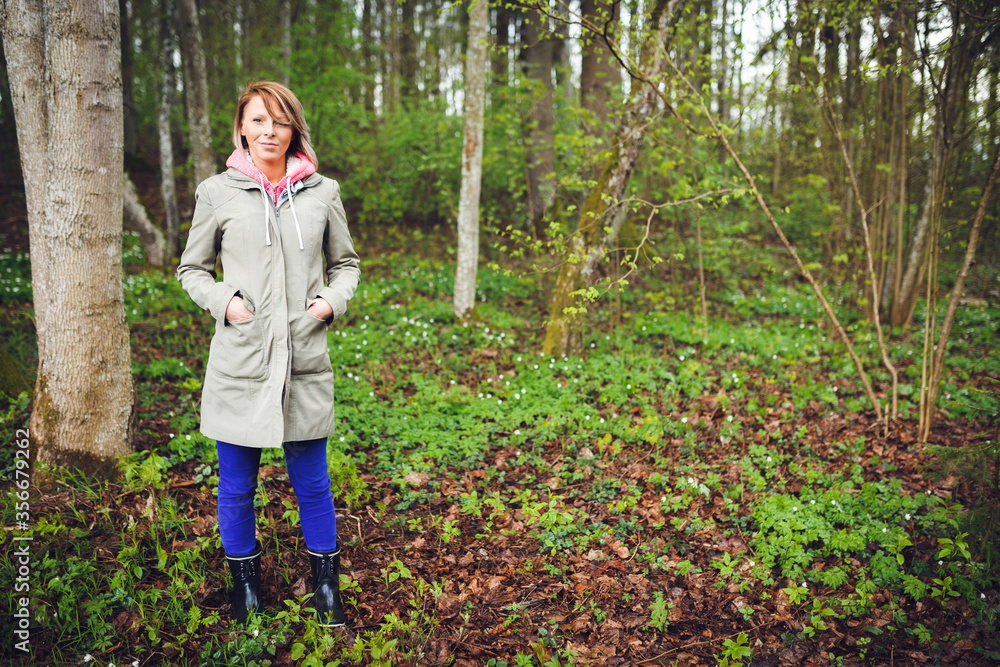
(278, 100)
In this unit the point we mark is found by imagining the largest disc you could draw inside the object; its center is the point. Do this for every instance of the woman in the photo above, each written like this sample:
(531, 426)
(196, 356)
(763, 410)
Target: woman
(272, 221)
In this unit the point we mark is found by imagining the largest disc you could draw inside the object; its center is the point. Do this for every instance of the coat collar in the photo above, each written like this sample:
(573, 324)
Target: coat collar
(237, 179)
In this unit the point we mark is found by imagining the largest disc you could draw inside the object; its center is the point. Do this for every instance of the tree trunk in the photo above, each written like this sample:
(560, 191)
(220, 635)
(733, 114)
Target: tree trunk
(131, 140)
(472, 160)
(950, 105)
(135, 219)
(408, 54)
(564, 333)
(286, 42)
(540, 135)
(367, 69)
(195, 92)
(501, 54)
(66, 85)
(168, 187)
(956, 294)
(723, 80)
(600, 71)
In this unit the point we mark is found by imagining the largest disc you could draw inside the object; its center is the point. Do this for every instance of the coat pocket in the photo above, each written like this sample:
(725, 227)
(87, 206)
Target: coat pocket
(309, 342)
(237, 350)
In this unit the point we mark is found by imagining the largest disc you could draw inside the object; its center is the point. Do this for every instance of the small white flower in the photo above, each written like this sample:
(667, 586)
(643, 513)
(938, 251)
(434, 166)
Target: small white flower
(88, 658)
(682, 357)
(940, 562)
(753, 564)
(982, 596)
(663, 499)
(795, 509)
(769, 459)
(257, 632)
(884, 529)
(519, 452)
(628, 386)
(804, 585)
(517, 431)
(833, 502)
(729, 418)
(907, 517)
(684, 420)
(189, 437)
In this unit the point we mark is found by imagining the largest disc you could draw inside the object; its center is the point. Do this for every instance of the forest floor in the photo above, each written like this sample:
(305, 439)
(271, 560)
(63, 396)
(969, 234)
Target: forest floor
(664, 499)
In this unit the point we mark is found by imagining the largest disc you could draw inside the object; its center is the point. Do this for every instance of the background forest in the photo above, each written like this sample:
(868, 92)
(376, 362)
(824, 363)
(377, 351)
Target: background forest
(771, 437)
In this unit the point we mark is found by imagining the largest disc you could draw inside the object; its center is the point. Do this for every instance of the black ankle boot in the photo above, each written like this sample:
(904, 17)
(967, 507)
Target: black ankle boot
(245, 595)
(326, 588)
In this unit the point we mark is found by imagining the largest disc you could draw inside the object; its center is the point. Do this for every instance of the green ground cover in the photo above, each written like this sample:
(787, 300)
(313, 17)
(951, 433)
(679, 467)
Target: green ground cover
(662, 499)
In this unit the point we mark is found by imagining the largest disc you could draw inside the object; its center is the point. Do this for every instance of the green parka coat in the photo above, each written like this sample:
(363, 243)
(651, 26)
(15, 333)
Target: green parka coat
(269, 378)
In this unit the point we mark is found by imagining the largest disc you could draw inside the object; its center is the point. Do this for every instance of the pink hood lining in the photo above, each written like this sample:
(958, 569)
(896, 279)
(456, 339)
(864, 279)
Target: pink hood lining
(297, 167)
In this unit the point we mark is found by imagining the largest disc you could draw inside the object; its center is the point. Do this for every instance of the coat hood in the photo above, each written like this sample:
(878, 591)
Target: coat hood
(297, 167)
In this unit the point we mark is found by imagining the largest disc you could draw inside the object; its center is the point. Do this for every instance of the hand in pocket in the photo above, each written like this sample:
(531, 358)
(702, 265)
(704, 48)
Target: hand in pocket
(320, 309)
(236, 311)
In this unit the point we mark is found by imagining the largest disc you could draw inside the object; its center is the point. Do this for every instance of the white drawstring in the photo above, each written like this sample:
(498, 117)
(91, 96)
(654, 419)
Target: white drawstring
(266, 202)
(291, 204)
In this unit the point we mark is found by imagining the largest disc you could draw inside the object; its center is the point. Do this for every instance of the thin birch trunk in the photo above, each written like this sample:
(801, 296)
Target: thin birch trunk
(472, 160)
(168, 186)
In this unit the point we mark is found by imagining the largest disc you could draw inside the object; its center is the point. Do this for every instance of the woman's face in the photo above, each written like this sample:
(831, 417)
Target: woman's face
(268, 137)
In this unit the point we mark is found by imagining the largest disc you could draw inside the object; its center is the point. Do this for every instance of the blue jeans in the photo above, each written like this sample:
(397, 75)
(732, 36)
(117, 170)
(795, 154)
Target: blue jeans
(307, 469)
